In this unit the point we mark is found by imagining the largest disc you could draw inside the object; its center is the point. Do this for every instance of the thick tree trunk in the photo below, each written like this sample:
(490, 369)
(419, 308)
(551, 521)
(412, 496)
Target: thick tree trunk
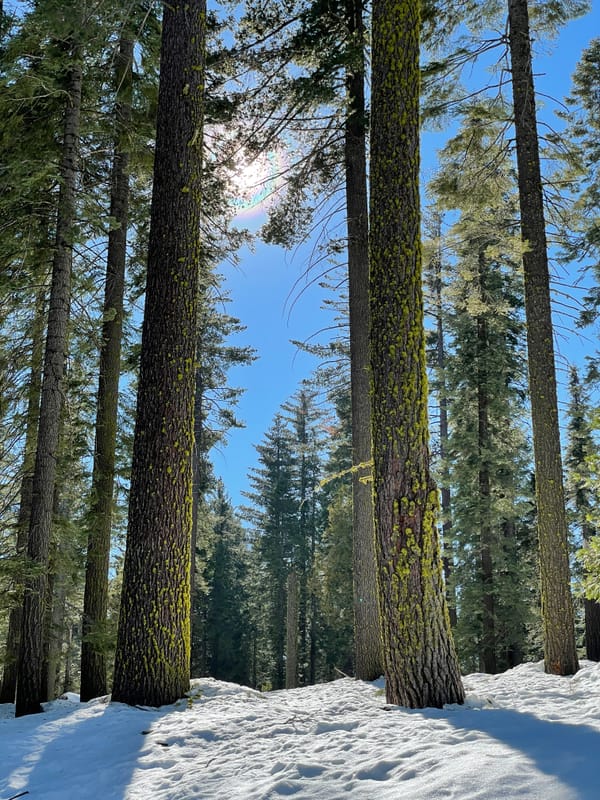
(421, 667)
(13, 637)
(152, 664)
(29, 687)
(48, 633)
(560, 655)
(291, 655)
(368, 660)
(95, 603)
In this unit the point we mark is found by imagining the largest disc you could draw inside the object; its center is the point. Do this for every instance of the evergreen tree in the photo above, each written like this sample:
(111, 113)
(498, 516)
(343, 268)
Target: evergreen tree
(437, 360)
(334, 564)
(488, 454)
(93, 659)
(214, 416)
(214, 399)
(307, 58)
(29, 681)
(13, 636)
(581, 174)
(421, 667)
(153, 648)
(287, 521)
(560, 656)
(304, 419)
(274, 520)
(580, 461)
(368, 662)
(226, 632)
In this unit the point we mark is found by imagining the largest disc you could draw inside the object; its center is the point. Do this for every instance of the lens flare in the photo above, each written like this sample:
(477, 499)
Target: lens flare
(256, 182)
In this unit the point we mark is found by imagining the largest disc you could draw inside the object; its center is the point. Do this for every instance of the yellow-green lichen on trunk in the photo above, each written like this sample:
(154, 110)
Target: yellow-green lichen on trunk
(421, 666)
(153, 649)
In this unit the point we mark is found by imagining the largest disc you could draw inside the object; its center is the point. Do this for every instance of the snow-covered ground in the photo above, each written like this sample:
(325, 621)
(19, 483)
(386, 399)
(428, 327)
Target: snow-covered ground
(522, 734)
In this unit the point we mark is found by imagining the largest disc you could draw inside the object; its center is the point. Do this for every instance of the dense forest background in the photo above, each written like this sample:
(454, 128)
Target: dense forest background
(277, 585)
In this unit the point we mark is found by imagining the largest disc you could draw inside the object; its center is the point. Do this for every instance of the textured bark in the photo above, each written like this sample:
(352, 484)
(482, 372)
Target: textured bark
(95, 603)
(47, 625)
(152, 662)
(368, 660)
(421, 668)
(488, 619)
(592, 629)
(13, 637)
(29, 682)
(291, 659)
(560, 655)
(55, 632)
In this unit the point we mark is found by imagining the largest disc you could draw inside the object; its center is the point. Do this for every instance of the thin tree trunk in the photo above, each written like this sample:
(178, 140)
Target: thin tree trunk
(592, 629)
(152, 664)
(95, 603)
(278, 615)
(55, 633)
(514, 649)
(488, 621)
(445, 496)
(67, 677)
(591, 608)
(421, 667)
(13, 637)
(29, 688)
(368, 659)
(199, 489)
(312, 653)
(291, 658)
(302, 582)
(560, 654)
(254, 659)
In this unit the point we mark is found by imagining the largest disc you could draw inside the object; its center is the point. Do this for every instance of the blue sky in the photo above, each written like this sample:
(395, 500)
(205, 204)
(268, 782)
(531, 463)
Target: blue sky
(263, 287)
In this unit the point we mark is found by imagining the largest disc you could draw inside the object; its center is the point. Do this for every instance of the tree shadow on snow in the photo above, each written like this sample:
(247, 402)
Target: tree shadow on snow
(564, 751)
(91, 756)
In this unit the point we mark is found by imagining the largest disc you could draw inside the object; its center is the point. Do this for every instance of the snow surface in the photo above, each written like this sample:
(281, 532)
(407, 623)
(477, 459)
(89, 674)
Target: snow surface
(522, 734)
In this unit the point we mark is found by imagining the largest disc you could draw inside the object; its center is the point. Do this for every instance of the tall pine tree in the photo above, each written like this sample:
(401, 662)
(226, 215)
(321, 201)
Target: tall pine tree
(421, 668)
(153, 647)
(29, 681)
(487, 458)
(560, 655)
